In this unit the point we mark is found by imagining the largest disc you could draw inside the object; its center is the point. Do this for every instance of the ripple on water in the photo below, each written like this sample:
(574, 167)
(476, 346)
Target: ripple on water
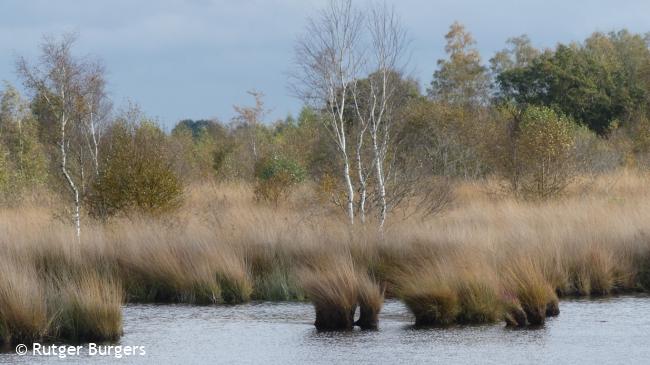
(612, 330)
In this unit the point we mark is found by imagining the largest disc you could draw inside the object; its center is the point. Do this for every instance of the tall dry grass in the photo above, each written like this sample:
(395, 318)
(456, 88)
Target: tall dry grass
(336, 288)
(23, 303)
(488, 257)
(333, 288)
(88, 307)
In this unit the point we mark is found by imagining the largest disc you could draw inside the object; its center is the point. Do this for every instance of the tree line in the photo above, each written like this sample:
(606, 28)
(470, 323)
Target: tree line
(368, 139)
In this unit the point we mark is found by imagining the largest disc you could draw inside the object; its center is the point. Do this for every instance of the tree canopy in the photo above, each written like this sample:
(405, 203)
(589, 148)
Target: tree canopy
(596, 82)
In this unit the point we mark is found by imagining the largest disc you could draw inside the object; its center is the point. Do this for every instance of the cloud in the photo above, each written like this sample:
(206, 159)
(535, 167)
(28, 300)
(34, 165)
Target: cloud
(197, 58)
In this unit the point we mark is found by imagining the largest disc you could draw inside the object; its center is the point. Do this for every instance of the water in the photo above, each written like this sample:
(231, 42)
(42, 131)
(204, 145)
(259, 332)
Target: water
(606, 331)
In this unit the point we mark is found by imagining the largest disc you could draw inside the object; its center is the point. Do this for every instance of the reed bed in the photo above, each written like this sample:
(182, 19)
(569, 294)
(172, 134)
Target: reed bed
(488, 258)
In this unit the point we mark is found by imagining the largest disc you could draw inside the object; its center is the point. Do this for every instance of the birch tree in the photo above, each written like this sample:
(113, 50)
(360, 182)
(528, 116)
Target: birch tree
(251, 116)
(96, 111)
(388, 43)
(328, 64)
(351, 65)
(61, 82)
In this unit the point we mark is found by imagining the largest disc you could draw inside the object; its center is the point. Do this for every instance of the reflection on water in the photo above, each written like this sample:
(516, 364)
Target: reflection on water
(615, 330)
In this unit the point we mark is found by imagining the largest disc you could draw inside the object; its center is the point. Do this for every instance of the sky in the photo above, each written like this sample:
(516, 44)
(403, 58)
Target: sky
(197, 58)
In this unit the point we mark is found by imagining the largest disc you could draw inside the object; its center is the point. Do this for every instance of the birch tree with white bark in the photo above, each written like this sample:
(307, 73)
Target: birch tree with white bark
(72, 91)
(96, 111)
(388, 45)
(352, 61)
(329, 63)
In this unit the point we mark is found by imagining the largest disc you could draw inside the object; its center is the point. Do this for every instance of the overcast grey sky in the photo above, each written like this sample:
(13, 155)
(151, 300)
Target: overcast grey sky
(196, 58)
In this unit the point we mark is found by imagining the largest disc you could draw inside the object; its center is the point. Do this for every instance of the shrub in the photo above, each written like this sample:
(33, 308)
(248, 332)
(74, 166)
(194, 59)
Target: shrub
(136, 174)
(534, 150)
(595, 154)
(545, 147)
(4, 172)
(276, 176)
(23, 163)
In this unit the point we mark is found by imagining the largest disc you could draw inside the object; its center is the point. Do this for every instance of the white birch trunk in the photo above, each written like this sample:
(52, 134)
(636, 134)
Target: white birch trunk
(363, 193)
(64, 169)
(348, 183)
(95, 141)
(381, 186)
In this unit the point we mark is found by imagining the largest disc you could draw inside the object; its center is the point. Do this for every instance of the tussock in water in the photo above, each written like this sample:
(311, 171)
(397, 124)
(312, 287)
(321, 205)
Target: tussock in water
(371, 300)
(336, 288)
(333, 290)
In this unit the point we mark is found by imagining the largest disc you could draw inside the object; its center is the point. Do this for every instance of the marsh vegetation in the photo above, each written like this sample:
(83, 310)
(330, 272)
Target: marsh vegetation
(487, 259)
(482, 200)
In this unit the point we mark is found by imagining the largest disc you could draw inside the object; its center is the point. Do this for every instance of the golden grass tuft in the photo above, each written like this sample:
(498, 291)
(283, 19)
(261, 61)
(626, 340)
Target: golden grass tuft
(233, 277)
(36, 307)
(371, 300)
(514, 314)
(23, 304)
(431, 298)
(333, 289)
(534, 294)
(444, 293)
(89, 308)
(593, 272)
(479, 298)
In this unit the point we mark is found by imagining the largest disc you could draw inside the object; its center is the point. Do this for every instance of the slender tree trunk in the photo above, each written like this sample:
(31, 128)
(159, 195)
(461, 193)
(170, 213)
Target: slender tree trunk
(77, 215)
(363, 193)
(350, 188)
(95, 153)
(381, 186)
(82, 173)
(339, 129)
(64, 169)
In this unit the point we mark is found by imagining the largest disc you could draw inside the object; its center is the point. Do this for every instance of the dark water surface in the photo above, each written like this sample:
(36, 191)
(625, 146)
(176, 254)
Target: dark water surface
(605, 331)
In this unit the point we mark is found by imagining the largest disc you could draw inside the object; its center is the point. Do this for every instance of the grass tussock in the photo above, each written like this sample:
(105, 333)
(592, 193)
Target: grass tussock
(23, 304)
(593, 272)
(371, 300)
(486, 258)
(336, 288)
(534, 294)
(430, 295)
(479, 298)
(234, 279)
(444, 293)
(37, 307)
(89, 308)
(333, 289)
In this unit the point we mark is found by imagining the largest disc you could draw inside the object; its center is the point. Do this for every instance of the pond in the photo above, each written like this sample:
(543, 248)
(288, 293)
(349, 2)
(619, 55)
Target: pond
(610, 330)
